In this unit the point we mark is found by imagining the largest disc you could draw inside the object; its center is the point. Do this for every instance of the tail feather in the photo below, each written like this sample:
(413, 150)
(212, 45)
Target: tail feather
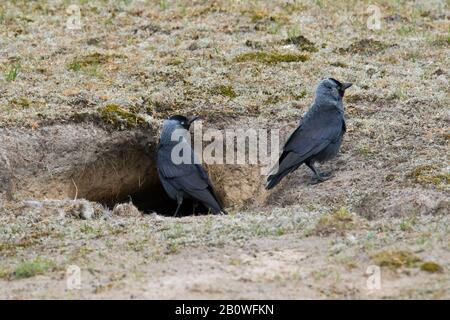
(274, 178)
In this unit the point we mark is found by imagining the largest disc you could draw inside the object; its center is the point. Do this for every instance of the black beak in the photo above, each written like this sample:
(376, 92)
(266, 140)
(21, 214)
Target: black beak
(192, 120)
(346, 85)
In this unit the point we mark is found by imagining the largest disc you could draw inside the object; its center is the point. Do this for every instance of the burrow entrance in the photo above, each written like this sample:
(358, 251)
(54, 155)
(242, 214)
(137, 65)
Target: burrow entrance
(87, 161)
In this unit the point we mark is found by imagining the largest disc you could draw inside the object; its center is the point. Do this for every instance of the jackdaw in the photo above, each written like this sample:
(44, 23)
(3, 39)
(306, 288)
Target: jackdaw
(183, 180)
(318, 136)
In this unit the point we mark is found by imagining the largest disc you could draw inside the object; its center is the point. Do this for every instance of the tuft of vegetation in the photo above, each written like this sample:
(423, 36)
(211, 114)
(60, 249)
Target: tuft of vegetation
(172, 247)
(399, 94)
(21, 102)
(9, 248)
(339, 64)
(33, 268)
(273, 99)
(224, 90)
(365, 150)
(254, 44)
(300, 41)
(119, 117)
(405, 30)
(432, 267)
(270, 57)
(442, 41)
(5, 272)
(300, 95)
(429, 174)
(88, 229)
(408, 224)
(262, 15)
(338, 222)
(163, 4)
(13, 72)
(89, 63)
(395, 259)
(365, 46)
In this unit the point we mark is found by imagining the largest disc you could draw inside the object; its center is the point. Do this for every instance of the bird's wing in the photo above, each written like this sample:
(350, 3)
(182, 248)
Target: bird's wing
(310, 138)
(188, 177)
(198, 178)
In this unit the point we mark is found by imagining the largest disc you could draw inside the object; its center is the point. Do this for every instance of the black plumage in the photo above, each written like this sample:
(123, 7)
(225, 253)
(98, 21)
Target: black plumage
(319, 135)
(184, 180)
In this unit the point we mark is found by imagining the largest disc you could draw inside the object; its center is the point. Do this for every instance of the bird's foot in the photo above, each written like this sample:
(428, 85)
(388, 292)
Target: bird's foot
(325, 174)
(319, 179)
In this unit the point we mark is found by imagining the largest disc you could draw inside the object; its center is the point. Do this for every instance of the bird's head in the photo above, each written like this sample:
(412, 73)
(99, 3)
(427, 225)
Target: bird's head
(181, 122)
(331, 87)
(174, 124)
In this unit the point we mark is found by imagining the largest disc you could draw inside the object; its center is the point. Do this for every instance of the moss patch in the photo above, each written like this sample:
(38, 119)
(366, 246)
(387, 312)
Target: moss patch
(395, 259)
(21, 102)
(119, 117)
(33, 268)
(365, 150)
(301, 42)
(432, 267)
(365, 46)
(428, 174)
(273, 99)
(174, 61)
(8, 248)
(224, 90)
(262, 15)
(270, 57)
(338, 222)
(5, 272)
(90, 62)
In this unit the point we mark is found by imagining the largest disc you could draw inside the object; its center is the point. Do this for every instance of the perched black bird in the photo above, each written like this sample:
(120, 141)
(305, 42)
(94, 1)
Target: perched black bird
(185, 179)
(318, 136)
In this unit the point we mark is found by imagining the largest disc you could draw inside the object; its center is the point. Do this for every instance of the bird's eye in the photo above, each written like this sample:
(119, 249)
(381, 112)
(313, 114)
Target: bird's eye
(182, 122)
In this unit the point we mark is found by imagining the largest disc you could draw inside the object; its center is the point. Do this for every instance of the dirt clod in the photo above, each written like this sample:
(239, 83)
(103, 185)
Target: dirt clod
(126, 210)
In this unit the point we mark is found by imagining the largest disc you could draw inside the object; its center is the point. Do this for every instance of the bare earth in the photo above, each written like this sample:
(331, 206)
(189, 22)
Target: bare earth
(79, 115)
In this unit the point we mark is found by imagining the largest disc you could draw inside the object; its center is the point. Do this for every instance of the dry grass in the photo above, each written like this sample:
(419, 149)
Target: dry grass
(235, 63)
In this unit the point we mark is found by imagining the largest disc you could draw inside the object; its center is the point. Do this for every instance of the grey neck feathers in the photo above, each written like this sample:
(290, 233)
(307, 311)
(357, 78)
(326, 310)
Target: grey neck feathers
(168, 129)
(327, 100)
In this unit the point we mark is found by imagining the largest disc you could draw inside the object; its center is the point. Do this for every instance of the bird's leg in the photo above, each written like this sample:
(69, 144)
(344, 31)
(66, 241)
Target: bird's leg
(319, 176)
(179, 201)
(194, 206)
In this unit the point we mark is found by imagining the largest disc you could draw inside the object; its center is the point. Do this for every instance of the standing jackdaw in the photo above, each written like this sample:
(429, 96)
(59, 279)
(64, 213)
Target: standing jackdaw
(318, 136)
(183, 180)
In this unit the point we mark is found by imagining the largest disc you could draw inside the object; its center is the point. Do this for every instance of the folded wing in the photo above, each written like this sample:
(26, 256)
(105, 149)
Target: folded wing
(190, 178)
(312, 136)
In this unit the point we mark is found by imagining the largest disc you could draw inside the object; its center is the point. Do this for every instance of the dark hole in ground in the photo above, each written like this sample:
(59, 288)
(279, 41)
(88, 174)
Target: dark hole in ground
(153, 198)
(156, 200)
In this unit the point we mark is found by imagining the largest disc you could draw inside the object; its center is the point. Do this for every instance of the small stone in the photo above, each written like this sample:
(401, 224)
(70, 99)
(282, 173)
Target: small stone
(126, 210)
(352, 239)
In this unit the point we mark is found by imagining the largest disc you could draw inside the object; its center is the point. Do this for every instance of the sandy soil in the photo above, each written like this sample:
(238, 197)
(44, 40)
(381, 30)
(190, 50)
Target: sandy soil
(236, 64)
